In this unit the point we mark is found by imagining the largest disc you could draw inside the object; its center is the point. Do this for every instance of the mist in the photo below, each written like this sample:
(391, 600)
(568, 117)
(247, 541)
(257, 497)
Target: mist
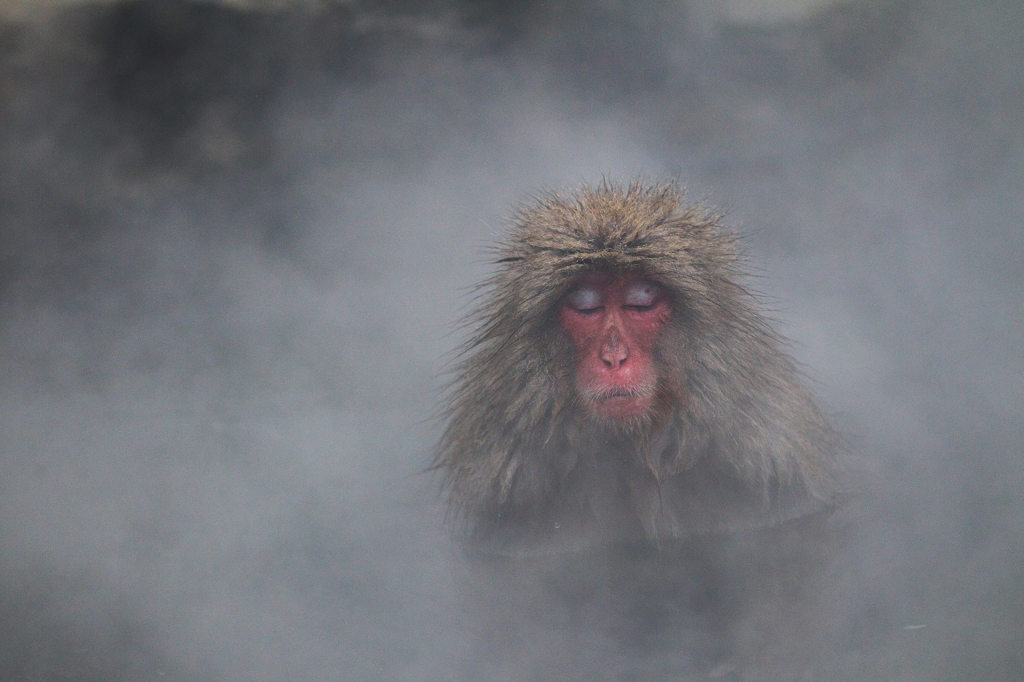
(236, 241)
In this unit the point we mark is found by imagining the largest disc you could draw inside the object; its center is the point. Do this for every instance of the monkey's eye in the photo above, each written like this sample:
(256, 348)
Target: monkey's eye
(585, 300)
(641, 295)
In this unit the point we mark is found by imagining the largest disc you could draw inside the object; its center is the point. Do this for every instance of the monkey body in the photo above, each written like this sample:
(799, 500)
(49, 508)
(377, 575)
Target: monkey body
(621, 384)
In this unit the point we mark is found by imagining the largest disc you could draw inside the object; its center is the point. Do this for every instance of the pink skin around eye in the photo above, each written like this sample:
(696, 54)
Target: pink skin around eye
(613, 323)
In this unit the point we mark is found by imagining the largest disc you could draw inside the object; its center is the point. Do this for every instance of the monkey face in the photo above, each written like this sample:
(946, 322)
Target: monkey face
(614, 323)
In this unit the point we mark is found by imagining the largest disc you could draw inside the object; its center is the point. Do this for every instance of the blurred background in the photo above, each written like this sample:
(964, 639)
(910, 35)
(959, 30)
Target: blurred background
(236, 238)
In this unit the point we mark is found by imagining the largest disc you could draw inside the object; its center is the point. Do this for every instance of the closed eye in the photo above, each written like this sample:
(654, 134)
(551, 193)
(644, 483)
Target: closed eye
(641, 295)
(585, 300)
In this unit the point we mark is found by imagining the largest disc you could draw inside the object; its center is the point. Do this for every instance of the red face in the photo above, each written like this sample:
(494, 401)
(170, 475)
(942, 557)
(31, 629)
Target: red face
(613, 323)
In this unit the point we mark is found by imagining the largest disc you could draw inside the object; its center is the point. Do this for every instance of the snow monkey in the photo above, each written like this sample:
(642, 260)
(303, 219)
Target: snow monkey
(621, 384)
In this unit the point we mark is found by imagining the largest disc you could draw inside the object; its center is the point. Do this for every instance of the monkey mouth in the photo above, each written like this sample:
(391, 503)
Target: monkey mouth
(614, 392)
(622, 403)
(621, 393)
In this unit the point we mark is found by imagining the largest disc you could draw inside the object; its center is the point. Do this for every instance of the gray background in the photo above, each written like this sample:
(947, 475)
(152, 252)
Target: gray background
(235, 240)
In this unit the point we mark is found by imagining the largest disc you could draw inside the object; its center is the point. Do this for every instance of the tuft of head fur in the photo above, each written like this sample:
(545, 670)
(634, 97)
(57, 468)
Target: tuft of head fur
(743, 446)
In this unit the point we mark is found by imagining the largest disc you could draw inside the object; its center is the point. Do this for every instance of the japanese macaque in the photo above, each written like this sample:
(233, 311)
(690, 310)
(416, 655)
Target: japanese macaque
(622, 385)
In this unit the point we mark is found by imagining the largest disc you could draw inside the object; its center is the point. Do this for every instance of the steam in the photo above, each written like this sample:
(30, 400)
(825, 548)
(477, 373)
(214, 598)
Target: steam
(236, 239)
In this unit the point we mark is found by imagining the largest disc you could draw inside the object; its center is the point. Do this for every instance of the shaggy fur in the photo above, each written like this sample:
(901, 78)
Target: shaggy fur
(738, 443)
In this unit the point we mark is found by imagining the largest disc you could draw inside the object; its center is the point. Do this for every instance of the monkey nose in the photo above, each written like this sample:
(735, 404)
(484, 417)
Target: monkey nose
(614, 353)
